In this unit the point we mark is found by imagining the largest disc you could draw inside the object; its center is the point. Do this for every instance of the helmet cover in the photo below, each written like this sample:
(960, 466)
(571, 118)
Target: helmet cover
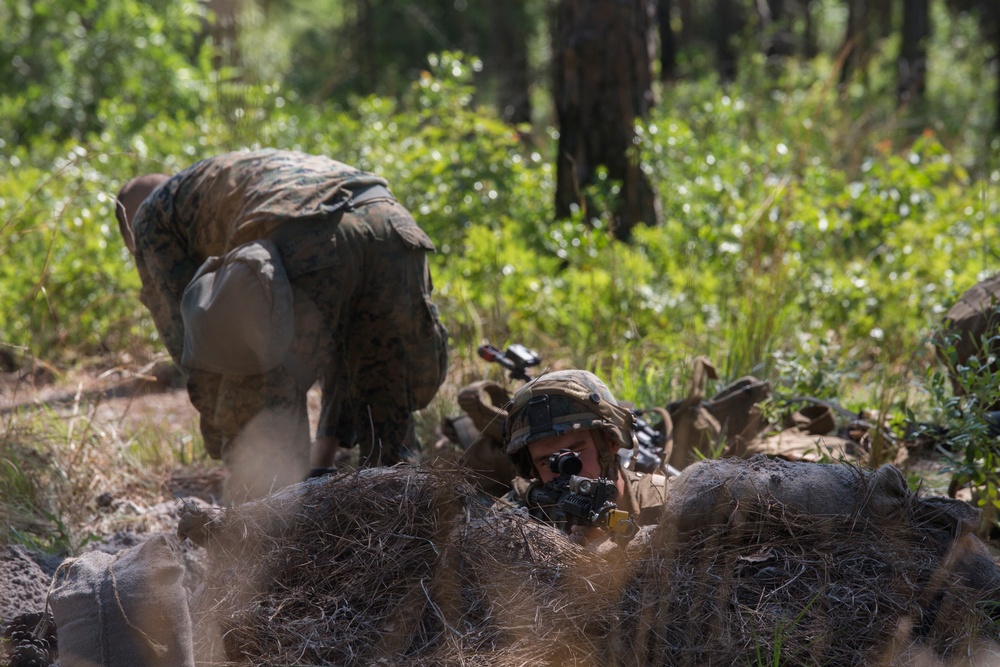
(561, 402)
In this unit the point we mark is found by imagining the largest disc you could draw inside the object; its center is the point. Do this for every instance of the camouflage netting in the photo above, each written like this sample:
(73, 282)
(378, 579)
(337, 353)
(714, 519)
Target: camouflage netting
(405, 566)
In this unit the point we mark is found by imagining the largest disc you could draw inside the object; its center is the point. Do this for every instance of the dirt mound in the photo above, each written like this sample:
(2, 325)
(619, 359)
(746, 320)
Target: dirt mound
(24, 581)
(407, 566)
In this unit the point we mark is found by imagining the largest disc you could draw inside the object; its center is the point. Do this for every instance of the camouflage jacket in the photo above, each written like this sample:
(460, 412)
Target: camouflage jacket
(227, 200)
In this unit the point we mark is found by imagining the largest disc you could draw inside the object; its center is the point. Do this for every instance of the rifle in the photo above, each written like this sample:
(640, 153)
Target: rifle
(649, 447)
(569, 500)
(517, 359)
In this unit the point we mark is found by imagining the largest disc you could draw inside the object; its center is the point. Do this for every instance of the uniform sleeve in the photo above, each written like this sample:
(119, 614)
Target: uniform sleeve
(650, 495)
(165, 267)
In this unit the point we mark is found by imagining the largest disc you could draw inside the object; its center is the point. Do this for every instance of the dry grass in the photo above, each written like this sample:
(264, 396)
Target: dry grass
(69, 458)
(402, 566)
(409, 567)
(406, 566)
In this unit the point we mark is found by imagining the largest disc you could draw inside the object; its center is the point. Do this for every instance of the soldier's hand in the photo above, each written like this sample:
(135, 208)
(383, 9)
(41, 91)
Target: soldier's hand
(577, 536)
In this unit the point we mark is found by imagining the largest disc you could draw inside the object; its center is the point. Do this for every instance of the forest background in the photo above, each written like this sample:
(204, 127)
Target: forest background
(824, 177)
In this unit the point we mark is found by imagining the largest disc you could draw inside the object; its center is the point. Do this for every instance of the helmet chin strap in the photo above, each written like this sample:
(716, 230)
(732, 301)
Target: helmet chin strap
(607, 458)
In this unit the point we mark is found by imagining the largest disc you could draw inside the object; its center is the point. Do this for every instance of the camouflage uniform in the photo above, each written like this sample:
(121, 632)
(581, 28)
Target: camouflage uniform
(365, 325)
(566, 401)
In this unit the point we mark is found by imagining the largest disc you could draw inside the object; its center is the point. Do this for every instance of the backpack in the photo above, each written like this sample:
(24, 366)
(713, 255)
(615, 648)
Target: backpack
(479, 430)
(721, 426)
(238, 312)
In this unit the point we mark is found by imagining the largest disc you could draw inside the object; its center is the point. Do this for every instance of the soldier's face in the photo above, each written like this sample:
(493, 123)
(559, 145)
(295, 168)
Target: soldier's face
(581, 442)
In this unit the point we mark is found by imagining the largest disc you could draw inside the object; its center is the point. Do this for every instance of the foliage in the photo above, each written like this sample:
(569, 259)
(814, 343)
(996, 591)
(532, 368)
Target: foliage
(372, 53)
(960, 399)
(71, 69)
(767, 210)
(770, 243)
(338, 51)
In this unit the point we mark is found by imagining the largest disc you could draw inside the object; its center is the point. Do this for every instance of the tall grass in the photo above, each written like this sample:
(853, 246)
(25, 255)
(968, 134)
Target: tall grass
(57, 462)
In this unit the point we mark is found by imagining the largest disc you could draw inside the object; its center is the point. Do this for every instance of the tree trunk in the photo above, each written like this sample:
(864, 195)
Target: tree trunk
(777, 24)
(855, 39)
(367, 44)
(991, 18)
(867, 22)
(602, 81)
(668, 41)
(726, 24)
(810, 45)
(224, 30)
(913, 52)
(510, 59)
(882, 16)
(686, 11)
(996, 47)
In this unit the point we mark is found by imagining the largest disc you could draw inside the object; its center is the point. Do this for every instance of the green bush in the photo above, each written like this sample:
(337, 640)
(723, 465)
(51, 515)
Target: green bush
(775, 241)
(72, 68)
(958, 419)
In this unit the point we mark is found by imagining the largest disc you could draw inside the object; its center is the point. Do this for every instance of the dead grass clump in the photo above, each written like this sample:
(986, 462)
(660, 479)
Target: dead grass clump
(766, 583)
(396, 566)
(405, 566)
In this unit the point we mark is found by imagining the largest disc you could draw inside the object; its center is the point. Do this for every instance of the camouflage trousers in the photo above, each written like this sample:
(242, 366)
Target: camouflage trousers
(366, 329)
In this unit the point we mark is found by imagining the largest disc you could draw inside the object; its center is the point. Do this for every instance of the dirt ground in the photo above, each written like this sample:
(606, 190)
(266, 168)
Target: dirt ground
(120, 505)
(118, 404)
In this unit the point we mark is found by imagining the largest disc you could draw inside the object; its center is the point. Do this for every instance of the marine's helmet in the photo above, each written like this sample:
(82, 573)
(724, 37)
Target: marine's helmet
(561, 402)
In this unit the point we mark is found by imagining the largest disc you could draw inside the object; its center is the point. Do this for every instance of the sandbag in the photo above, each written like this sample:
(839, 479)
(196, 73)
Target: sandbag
(492, 469)
(813, 419)
(405, 566)
(735, 408)
(800, 444)
(486, 403)
(815, 563)
(713, 492)
(123, 610)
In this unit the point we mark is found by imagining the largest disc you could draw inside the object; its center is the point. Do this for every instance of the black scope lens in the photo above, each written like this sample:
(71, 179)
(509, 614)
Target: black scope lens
(565, 462)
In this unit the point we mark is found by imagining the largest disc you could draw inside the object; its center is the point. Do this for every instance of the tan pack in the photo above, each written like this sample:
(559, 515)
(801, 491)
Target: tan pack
(721, 426)
(479, 430)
